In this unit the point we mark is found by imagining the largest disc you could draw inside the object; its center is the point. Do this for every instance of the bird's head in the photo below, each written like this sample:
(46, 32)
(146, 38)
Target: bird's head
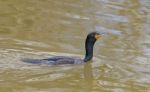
(93, 36)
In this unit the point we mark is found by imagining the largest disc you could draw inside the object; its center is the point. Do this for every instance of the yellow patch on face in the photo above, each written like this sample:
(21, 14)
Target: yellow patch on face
(97, 36)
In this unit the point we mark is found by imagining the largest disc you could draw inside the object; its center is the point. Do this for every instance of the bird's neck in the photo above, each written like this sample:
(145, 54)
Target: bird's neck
(89, 50)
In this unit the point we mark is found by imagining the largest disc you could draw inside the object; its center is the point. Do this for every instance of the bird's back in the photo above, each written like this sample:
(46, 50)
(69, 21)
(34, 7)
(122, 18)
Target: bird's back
(56, 60)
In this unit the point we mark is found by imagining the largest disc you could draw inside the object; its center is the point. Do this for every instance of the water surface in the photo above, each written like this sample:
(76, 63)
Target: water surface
(45, 28)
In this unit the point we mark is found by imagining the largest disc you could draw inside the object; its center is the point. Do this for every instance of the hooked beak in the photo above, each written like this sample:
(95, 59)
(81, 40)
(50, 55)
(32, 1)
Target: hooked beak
(97, 36)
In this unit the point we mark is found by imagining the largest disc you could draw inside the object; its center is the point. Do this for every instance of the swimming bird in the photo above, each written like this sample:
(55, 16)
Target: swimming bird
(57, 60)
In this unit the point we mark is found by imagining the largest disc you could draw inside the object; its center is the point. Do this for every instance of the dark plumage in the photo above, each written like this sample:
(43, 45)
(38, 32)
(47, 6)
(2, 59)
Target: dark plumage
(57, 60)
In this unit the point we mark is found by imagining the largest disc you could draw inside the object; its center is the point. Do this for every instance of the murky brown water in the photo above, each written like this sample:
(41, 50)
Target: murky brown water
(43, 28)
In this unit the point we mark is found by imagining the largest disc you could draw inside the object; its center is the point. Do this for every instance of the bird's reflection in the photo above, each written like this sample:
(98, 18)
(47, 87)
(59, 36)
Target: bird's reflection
(88, 77)
(46, 80)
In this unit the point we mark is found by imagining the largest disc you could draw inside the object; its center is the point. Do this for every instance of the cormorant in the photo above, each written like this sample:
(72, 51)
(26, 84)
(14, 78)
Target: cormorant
(57, 60)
